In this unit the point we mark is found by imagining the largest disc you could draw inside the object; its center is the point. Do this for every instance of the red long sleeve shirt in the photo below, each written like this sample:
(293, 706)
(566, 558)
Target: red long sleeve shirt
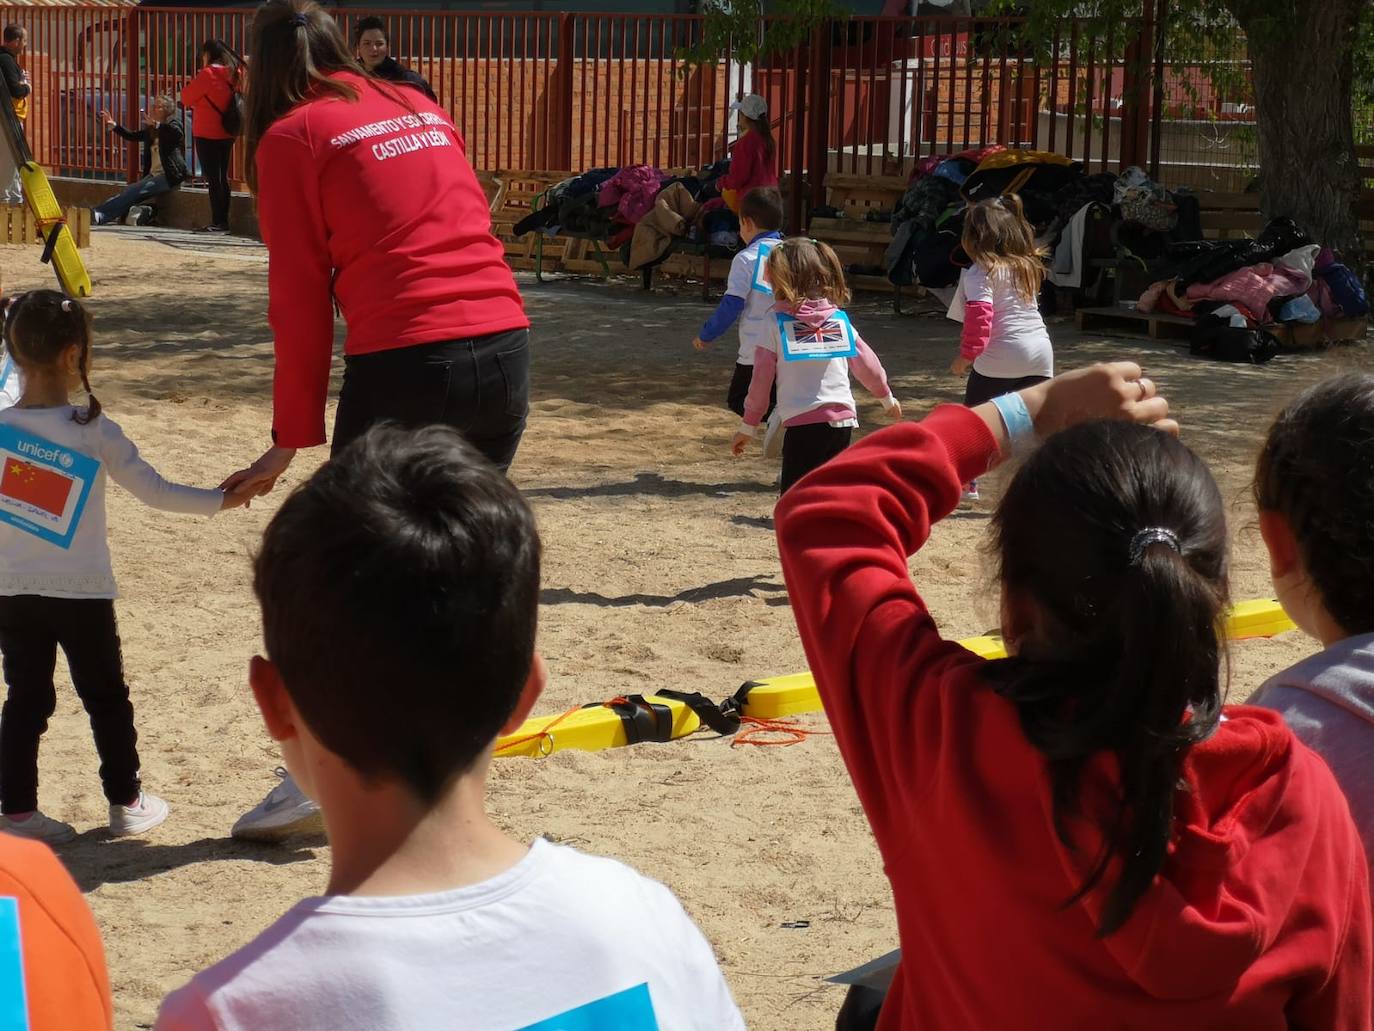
(208, 96)
(1260, 918)
(750, 165)
(372, 203)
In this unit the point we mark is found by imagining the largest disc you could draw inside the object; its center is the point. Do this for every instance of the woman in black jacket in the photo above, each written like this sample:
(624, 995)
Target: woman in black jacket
(164, 159)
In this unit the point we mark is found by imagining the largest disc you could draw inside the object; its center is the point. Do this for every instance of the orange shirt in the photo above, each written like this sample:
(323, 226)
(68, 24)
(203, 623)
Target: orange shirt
(64, 964)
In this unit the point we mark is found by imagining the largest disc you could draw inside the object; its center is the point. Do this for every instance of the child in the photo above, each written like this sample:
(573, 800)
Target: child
(748, 295)
(1080, 835)
(753, 158)
(409, 565)
(57, 588)
(1314, 487)
(810, 346)
(1004, 346)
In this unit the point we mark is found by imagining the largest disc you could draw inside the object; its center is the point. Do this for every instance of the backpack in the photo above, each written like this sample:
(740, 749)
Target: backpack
(1214, 336)
(232, 116)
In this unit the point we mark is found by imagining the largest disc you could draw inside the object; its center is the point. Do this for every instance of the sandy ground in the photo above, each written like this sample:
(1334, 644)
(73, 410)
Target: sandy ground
(660, 570)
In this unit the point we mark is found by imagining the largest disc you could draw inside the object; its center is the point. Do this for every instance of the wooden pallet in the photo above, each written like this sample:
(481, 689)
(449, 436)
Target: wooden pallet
(18, 225)
(1156, 326)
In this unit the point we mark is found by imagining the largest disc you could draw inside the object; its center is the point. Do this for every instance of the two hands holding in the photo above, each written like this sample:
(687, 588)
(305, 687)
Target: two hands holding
(258, 479)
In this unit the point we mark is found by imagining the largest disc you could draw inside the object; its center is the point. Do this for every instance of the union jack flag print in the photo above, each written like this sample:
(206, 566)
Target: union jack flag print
(833, 338)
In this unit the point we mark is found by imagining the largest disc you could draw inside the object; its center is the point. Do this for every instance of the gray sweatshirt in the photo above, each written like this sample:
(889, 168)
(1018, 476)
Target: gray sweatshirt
(1328, 700)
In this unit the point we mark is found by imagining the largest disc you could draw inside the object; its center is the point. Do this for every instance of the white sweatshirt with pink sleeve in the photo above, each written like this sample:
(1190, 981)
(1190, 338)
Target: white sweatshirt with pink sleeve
(811, 391)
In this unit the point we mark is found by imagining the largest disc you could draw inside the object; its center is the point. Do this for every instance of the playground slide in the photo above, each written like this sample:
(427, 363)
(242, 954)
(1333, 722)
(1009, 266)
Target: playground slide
(59, 247)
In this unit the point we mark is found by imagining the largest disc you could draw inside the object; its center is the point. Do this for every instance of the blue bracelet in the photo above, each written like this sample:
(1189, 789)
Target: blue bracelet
(1016, 418)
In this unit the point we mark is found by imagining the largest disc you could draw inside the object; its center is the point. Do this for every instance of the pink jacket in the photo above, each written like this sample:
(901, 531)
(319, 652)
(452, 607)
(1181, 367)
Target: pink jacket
(1254, 287)
(631, 192)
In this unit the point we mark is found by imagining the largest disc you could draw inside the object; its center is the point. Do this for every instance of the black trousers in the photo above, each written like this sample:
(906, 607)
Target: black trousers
(809, 447)
(982, 388)
(214, 165)
(739, 391)
(480, 387)
(32, 628)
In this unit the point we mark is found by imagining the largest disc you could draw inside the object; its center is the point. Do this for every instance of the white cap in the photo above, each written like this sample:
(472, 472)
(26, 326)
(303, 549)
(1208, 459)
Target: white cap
(752, 106)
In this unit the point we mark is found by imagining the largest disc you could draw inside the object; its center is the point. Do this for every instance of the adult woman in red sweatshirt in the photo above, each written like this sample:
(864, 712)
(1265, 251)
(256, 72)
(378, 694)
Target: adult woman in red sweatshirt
(208, 97)
(366, 199)
(1080, 836)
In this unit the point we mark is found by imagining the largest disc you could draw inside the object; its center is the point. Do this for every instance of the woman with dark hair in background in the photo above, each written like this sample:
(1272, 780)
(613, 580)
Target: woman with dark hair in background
(372, 47)
(208, 96)
(366, 200)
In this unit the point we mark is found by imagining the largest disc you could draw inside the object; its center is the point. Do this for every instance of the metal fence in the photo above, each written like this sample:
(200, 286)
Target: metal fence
(546, 91)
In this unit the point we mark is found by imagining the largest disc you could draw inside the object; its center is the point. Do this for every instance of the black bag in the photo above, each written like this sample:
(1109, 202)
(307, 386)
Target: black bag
(232, 116)
(1213, 336)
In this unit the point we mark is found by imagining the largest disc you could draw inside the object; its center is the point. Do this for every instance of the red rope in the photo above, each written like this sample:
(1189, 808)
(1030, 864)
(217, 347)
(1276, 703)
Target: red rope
(760, 730)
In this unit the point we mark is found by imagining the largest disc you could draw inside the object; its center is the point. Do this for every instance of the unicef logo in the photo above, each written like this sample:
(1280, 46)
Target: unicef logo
(65, 460)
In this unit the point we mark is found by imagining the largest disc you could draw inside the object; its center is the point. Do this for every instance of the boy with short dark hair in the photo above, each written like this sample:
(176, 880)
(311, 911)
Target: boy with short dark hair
(399, 589)
(748, 296)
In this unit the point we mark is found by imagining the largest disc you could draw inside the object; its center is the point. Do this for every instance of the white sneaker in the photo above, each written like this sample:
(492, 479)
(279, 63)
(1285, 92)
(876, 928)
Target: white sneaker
(143, 815)
(39, 828)
(284, 812)
(772, 437)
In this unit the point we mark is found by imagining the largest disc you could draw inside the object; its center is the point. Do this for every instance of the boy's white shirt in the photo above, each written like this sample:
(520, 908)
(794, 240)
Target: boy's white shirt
(758, 304)
(547, 942)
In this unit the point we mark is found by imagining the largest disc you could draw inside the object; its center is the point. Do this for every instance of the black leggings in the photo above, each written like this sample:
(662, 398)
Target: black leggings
(32, 628)
(479, 386)
(982, 388)
(214, 165)
(809, 447)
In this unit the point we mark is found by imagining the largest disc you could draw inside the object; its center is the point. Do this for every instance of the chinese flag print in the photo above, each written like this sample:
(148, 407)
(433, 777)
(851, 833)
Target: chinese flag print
(35, 485)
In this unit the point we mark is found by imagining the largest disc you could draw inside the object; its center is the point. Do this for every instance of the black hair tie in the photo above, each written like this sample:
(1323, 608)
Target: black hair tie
(299, 20)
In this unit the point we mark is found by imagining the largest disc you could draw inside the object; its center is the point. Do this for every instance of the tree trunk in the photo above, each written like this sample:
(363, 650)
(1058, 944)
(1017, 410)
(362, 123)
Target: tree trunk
(1303, 74)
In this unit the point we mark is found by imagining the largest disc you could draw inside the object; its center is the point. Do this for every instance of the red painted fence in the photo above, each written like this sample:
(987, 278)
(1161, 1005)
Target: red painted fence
(576, 91)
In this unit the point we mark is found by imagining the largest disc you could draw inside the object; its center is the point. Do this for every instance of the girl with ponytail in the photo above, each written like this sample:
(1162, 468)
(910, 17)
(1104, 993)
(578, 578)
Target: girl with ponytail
(57, 586)
(1081, 834)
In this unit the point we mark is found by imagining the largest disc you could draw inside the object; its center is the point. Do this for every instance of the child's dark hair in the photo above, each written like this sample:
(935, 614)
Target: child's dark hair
(39, 326)
(1125, 657)
(399, 588)
(1317, 471)
(220, 52)
(763, 206)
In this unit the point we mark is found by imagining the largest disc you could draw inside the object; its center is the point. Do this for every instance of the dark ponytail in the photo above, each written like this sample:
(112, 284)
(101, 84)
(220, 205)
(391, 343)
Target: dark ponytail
(765, 131)
(1114, 535)
(39, 326)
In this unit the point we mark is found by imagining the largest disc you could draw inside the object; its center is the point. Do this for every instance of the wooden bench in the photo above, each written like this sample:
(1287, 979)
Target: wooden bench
(1226, 216)
(18, 225)
(856, 240)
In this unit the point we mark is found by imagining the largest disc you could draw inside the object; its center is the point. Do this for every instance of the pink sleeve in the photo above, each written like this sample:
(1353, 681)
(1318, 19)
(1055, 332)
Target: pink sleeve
(869, 370)
(977, 329)
(756, 404)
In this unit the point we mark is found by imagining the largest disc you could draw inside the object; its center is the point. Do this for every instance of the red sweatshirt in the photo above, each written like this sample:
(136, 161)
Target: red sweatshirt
(750, 165)
(374, 204)
(208, 96)
(1260, 918)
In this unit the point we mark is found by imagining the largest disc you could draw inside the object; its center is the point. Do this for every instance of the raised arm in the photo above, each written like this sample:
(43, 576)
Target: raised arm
(845, 532)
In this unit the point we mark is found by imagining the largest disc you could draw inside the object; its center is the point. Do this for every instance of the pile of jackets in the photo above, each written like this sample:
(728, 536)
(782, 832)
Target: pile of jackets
(639, 210)
(1282, 278)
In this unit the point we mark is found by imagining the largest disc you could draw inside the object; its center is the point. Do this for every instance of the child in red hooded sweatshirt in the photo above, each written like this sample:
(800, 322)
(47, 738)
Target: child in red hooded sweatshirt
(809, 349)
(1081, 835)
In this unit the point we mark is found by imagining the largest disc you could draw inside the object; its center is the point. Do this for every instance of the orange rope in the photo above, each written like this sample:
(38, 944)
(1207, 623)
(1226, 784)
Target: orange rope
(540, 736)
(758, 732)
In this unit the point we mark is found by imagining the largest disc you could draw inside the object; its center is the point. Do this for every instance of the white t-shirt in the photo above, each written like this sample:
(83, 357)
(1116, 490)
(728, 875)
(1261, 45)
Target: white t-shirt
(560, 940)
(1020, 344)
(758, 303)
(32, 565)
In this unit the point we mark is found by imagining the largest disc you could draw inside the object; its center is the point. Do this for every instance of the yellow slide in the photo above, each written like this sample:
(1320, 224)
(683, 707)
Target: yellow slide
(599, 727)
(59, 247)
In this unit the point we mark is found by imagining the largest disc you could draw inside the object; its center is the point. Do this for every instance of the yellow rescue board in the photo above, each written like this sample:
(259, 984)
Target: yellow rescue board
(599, 728)
(57, 238)
(66, 260)
(796, 693)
